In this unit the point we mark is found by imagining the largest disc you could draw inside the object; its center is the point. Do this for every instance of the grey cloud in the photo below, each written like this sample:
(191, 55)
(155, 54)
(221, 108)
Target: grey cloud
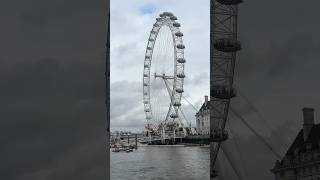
(44, 129)
(50, 77)
(126, 97)
(197, 79)
(52, 90)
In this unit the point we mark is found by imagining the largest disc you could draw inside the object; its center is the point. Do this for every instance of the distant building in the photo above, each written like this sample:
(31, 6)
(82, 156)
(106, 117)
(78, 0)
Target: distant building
(203, 118)
(302, 160)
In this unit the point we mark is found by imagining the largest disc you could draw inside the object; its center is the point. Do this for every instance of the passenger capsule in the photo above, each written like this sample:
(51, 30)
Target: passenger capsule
(179, 90)
(146, 65)
(149, 48)
(151, 39)
(167, 14)
(181, 75)
(175, 24)
(227, 45)
(147, 57)
(179, 34)
(180, 46)
(173, 18)
(222, 92)
(173, 115)
(145, 102)
(176, 104)
(181, 60)
(145, 75)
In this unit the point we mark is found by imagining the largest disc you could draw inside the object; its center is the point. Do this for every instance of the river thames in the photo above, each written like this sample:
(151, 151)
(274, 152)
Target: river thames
(161, 163)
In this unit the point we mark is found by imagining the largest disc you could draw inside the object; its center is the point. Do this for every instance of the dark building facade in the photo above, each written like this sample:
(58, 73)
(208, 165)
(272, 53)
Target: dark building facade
(302, 160)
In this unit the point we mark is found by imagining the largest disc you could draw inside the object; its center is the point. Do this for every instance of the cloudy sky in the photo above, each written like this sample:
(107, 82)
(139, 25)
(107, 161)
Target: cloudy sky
(52, 88)
(131, 23)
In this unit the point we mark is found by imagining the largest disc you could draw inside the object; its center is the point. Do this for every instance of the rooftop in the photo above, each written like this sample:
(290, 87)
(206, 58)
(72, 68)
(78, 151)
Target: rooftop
(300, 144)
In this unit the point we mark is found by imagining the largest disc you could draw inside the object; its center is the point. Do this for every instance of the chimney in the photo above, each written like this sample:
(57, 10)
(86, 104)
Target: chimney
(205, 99)
(308, 121)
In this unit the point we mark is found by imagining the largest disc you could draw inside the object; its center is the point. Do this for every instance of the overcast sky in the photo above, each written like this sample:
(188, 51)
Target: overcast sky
(53, 88)
(129, 34)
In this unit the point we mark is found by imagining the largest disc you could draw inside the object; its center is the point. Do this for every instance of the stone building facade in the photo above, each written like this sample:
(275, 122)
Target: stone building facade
(302, 160)
(203, 118)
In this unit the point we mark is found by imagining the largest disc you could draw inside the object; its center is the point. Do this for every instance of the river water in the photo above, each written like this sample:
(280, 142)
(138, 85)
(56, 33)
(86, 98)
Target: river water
(161, 163)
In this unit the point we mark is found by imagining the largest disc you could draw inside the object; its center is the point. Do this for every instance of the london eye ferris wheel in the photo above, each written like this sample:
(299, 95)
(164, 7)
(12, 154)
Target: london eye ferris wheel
(163, 74)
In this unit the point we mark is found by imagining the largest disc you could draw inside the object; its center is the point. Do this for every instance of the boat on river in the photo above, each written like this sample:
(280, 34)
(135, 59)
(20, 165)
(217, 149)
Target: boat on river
(122, 148)
(129, 150)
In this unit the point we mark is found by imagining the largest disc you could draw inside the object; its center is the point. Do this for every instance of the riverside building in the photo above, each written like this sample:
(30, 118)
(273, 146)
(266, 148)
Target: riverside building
(203, 118)
(302, 160)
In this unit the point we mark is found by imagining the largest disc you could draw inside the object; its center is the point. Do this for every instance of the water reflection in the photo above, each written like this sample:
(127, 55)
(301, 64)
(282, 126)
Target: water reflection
(156, 163)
